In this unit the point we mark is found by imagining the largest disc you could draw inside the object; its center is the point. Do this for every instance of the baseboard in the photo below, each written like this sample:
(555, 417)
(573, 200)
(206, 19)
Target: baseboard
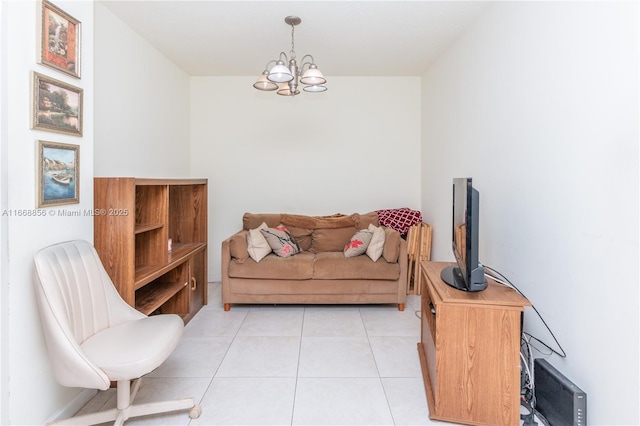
(73, 406)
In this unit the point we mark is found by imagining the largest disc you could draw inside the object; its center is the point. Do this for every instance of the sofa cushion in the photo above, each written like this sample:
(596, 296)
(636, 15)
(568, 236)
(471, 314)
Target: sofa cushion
(334, 266)
(358, 244)
(364, 220)
(374, 251)
(238, 246)
(330, 239)
(257, 245)
(253, 220)
(391, 250)
(302, 236)
(298, 267)
(281, 241)
(337, 220)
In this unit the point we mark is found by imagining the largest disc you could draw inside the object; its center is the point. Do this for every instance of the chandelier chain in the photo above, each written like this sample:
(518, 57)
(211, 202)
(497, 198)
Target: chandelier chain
(293, 52)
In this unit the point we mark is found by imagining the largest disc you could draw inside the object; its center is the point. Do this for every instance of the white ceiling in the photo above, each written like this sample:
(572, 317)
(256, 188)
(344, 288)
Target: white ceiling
(346, 38)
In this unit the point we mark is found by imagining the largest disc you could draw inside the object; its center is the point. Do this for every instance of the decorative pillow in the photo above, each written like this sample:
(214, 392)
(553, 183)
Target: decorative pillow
(281, 241)
(391, 250)
(257, 245)
(374, 251)
(358, 244)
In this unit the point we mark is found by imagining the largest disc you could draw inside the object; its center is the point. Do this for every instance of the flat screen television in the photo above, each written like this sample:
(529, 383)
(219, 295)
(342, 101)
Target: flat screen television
(468, 274)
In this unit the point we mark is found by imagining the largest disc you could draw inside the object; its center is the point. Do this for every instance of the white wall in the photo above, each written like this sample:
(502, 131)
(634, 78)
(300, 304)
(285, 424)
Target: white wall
(538, 102)
(142, 105)
(4, 222)
(34, 395)
(350, 149)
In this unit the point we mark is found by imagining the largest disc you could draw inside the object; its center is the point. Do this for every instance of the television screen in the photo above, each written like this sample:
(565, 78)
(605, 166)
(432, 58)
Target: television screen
(468, 274)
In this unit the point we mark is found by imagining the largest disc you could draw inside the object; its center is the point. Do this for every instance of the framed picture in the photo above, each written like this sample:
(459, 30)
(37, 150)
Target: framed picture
(58, 173)
(59, 41)
(57, 106)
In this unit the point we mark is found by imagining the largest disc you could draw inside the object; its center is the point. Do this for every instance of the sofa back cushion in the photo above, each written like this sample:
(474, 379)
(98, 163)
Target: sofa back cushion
(314, 233)
(254, 220)
(331, 239)
(302, 237)
(367, 219)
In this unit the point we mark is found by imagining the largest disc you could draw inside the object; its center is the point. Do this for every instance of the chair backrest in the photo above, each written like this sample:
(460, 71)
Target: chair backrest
(76, 299)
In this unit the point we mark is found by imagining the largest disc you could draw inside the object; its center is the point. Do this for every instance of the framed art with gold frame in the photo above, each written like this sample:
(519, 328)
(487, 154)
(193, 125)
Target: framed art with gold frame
(59, 41)
(57, 106)
(58, 173)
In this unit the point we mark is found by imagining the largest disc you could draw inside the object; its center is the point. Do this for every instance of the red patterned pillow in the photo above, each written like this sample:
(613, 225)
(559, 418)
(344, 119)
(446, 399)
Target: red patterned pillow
(281, 241)
(358, 243)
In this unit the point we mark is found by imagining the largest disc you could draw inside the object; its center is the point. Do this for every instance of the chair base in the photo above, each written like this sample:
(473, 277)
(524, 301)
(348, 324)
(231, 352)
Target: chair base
(126, 393)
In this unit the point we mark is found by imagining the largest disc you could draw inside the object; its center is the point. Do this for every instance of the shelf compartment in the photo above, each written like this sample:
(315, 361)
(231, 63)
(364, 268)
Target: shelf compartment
(152, 297)
(146, 227)
(151, 247)
(146, 273)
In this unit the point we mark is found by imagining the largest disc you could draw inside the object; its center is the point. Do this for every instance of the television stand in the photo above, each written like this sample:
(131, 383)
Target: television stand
(470, 351)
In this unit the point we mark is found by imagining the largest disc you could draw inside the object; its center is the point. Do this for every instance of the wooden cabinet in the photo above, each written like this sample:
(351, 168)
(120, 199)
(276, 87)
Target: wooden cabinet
(470, 351)
(134, 219)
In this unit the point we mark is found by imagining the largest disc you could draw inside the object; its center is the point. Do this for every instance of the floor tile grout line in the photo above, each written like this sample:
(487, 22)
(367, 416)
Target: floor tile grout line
(226, 352)
(373, 354)
(295, 387)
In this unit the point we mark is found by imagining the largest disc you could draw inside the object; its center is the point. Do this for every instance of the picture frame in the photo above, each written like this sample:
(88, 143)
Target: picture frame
(58, 173)
(59, 41)
(57, 106)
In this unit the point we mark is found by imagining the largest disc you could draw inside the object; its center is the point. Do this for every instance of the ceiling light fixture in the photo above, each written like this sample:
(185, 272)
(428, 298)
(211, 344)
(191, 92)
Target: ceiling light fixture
(285, 79)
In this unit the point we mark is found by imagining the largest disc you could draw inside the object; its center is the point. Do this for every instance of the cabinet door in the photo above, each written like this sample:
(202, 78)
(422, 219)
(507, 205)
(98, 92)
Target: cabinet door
(197, 281)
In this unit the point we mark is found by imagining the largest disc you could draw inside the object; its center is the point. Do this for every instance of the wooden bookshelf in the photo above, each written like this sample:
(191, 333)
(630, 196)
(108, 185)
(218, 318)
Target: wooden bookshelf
(134, 220)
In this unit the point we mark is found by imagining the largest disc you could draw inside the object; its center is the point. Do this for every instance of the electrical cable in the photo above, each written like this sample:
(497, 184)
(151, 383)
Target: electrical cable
(497, 276)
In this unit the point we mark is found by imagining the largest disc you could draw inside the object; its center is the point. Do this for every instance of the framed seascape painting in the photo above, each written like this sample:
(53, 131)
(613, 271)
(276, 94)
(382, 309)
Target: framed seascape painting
(58, 173)
(57, 106)
(59, 41)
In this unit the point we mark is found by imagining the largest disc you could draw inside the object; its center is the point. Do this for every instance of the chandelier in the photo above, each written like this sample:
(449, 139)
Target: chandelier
(285, 79)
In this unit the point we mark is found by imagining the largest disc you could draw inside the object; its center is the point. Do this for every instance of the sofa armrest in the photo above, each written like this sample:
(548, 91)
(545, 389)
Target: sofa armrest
(403, 259)
(232, 250)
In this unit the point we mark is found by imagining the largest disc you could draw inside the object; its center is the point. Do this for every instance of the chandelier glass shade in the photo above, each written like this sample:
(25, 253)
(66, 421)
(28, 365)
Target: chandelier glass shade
(285, 75)
(264, 84)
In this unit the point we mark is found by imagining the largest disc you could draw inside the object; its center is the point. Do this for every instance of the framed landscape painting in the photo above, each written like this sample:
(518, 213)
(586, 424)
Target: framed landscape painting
(58, 173)
(59, 40)
(57, 106)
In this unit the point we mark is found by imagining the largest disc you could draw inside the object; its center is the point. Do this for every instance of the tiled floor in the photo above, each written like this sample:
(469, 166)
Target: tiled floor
(292, 365)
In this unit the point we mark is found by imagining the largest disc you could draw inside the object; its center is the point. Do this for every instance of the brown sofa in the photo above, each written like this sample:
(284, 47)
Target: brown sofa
(320, 273)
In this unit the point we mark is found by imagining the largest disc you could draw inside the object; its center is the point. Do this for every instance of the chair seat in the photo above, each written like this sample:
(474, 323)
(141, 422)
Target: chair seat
(134, 348)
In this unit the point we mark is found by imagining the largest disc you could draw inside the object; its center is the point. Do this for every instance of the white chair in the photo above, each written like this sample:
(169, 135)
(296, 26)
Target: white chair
(94, 337)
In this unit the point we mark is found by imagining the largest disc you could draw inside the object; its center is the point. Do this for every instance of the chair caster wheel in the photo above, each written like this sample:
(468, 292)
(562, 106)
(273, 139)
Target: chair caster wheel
(195, 412)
